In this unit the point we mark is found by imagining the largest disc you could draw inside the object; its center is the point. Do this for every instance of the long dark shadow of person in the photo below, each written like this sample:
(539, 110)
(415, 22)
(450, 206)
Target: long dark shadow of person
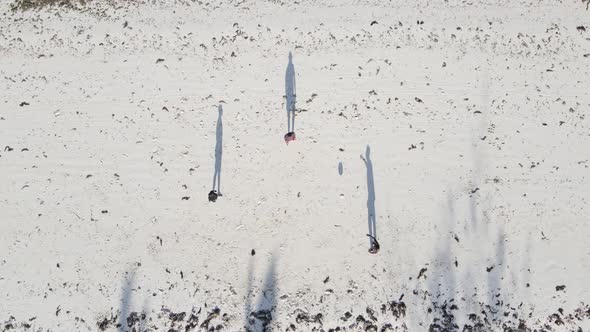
(267, 303)
(290, 96)
(374, 245)
(213, 194)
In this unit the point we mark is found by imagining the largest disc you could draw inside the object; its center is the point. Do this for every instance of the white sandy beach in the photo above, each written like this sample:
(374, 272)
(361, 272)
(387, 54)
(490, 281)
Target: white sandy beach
(477, 115)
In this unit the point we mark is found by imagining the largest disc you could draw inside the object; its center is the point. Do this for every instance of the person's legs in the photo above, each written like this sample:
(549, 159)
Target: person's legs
(370, 221)
(374, 226)
(219, 182)
(288, 120)
(214, 179)
(372, 217)
(293, 118)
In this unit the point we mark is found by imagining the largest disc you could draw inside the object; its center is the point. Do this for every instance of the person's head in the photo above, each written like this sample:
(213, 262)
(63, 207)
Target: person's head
(212, 196)
(289, 137)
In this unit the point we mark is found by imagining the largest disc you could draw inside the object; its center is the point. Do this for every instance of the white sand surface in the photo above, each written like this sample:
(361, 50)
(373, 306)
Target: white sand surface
(477, 118)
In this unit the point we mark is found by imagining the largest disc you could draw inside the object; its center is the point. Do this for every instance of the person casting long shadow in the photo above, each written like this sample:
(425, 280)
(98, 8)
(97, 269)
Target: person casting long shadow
(213, 194)
(374, 245)
(290, 95)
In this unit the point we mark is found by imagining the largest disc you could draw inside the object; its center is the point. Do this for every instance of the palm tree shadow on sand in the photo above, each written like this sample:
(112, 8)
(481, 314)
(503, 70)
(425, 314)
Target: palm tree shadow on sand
(261, 317)
(128, 285)
(477, 293)
(130, 321)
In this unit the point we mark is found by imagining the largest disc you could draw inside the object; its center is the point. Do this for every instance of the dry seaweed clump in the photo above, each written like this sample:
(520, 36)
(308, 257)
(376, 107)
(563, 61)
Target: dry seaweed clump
(24, 5)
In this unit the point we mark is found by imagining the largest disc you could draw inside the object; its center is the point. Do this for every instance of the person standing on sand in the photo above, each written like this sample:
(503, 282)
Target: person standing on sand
(290, 96)
(213, 194)
(374, 245)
